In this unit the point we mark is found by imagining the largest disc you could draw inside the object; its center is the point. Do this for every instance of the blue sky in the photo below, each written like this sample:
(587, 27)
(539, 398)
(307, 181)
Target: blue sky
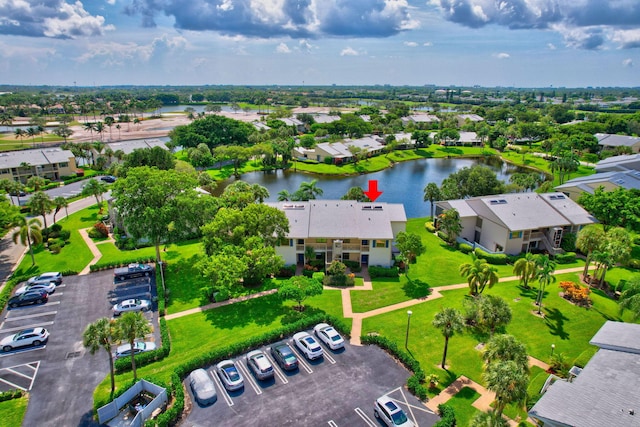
(523, 43)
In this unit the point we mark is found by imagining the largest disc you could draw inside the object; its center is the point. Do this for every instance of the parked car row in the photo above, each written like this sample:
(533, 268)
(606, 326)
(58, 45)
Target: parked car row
(260, 365)
(36, 290)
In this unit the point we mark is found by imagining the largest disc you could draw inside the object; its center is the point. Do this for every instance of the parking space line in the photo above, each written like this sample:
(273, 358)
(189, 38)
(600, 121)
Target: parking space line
(225, 394)
(332, 423)
(249, 377)
(22, 350)
(12, 384)
(132, 296)
(276, 368)
(365, 418)
(405, 402)
(301, 359)
(329, 357)
(35, 372)
(37, 325)
(29, 316)
(20, 374)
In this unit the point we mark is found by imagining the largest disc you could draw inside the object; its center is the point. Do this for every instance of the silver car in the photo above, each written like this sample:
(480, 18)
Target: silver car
(202, 387)
(49, 287)
(229, 375)
(328, 335)
(260, 365)
(26, 337)
(307, 345)
(131, 305)
(51, 276)
(138, 347)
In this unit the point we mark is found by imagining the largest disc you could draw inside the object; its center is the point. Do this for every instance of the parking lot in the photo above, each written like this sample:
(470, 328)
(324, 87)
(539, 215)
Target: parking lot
(61, 374)
(336, 390)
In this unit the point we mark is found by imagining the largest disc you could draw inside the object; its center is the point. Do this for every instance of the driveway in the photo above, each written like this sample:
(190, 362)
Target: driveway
(62, 374)
(338, 390)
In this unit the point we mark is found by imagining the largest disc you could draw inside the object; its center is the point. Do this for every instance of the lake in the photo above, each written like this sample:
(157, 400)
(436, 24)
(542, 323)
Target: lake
(403, 183)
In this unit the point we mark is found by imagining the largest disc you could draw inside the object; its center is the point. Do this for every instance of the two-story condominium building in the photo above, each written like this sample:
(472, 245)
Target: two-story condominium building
(341, 230)
(518, 222)
(50, 163)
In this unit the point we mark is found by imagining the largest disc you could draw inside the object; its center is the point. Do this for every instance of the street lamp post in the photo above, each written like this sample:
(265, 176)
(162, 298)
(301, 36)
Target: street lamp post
(553, 347)
(406, 340)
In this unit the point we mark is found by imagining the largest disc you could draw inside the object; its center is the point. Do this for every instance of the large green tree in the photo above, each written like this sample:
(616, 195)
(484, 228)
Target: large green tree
(545, 268)
(615, 249)
(589, 240)
(503, 348)
(99, 335)
(41, 204)
(475, 181)
(449, 321)
(410, 246)
(129, 327)
(212, 130)
(299, 288)
(618, 208)
(156, 157)
(449, 223)
(525, 269)
(148, 200)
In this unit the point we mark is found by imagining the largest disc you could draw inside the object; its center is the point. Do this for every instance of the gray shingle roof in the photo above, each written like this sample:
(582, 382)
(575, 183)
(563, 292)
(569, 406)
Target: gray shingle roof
(626, 179)
(39, 157)
(605, 393)
(611, 140)
(618, 163)
(128, 146)
(341, 219)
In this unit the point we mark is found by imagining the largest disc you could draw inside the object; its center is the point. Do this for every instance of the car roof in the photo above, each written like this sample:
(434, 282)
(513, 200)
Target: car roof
(27, 331)
(388, 403)
(49, 273)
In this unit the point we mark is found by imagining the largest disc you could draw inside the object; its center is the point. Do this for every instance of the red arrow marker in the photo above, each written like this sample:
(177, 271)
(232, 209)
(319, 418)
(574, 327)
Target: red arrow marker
(373, 193)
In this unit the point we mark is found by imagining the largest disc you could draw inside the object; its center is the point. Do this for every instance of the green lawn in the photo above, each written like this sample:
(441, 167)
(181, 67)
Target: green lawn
(461, 404)
(74, 256)
(12, 411)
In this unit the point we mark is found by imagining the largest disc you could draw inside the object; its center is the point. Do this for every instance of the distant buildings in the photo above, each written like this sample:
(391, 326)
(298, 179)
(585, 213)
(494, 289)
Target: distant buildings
(606, 140)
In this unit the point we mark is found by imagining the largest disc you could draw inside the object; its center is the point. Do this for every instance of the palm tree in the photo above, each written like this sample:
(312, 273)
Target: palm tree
(479, 274)
(29, 233)
(41, 204)
(545, 268)
(101, 335)
(19, 133)
(36, 182)
(309, 190)
(99, 128)
(129, 327)
(630, 298)
(432, 194)
(590, 239)
(284, 196)
(508, 381)
(32, 132)
(449, 321)
(488, 419)
(59, 203)
(525, 269)
(90, 127)
(504, 347)
(95, 188)
(15, 188)
(109, 121)
(616, 248)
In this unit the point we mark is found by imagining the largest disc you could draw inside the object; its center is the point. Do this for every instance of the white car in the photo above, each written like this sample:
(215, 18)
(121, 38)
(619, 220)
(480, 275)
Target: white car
(229, 375)
(131, 305)
(328, 335)
(138, 347)
(47, 287)
(390, 413)
(307, 345)
(46, 278)
(26, 337)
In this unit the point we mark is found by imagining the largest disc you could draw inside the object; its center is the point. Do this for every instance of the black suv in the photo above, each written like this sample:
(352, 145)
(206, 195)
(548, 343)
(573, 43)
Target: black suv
(29, 297)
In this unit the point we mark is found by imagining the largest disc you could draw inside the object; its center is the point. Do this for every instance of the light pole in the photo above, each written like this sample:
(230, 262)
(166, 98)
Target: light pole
(553, 347)
(406, 340)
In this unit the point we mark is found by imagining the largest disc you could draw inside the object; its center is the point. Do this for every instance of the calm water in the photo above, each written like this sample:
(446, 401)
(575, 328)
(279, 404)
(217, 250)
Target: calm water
(404, 183)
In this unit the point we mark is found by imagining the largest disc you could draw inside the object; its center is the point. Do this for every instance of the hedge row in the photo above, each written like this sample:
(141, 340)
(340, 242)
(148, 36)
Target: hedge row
(566, 258)
(10, 395)
(496, 259)
(169, 416)
(114, 264)
(143, 359)
(465, 248)
(415, 383)
(162, 292)
(377, 271)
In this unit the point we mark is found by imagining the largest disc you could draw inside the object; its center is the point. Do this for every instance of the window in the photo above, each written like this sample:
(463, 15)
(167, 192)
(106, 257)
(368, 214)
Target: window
(515, 235)
(321, 240)
(365, 243)
(479, 222)
(381, 244)
(64, 164)
(301, 241)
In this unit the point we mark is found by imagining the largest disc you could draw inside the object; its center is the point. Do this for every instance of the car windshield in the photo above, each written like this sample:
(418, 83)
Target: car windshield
(232, 373)
(399, 418)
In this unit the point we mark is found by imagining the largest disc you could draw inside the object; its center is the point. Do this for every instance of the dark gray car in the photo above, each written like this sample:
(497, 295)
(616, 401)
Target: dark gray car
(284, 356)
(204, 391)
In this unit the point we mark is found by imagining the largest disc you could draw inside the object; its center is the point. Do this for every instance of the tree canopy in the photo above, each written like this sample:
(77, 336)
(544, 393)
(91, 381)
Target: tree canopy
(618, 208)
(475, 181)
(212, 130)
(299, 288)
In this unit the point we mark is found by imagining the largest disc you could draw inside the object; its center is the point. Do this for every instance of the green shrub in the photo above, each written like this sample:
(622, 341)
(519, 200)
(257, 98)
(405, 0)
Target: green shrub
(634, 264)
(113, 264)
(495, 259)
(222, 294)
(430, 227)
(465, 248)
(566, 258)
(55, 248)
(568, 243)
(447, 416)
(10, 395)
(378, 271)
(287, 271)
(354, 266)
(443, 236)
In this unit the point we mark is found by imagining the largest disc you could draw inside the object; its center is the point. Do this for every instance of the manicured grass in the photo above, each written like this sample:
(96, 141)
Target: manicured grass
(388, 291)
(12, 411)
(568, 327)
(227, 171)
(74, 256)
(461, 404)
(110, 253)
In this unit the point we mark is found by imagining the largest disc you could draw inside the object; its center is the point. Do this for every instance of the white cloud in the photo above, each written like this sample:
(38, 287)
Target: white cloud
(283, 48)
(411, 44)
(305, 46)
(627, 38)
(119, 54)
(427, 44)
(111, 2)
(501, 55)
(551, 46)
(627, 63)
(348, 51)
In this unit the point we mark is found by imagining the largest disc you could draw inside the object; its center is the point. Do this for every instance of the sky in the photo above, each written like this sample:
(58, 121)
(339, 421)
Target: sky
(520, 43)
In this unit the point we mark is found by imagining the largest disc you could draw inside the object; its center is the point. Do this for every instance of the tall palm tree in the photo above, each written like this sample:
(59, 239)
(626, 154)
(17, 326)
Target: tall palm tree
(479, 274)
(59, 203)
(19, 133)
(309, 190)
(630, 298)
(545, 268)
(101, 335)
(508, 381)
(284, 196)
(449, 321)
(95, 188)
(503, 347)
(129, 327)
(41, 204)
(29, 233)
(90, 127)
(525, 269)
(589, 239)
(432, 194)
(99, 128)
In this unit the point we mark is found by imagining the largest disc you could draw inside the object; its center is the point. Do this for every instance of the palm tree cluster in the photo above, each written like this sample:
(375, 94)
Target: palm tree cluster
(479, 274)
(307, 191)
